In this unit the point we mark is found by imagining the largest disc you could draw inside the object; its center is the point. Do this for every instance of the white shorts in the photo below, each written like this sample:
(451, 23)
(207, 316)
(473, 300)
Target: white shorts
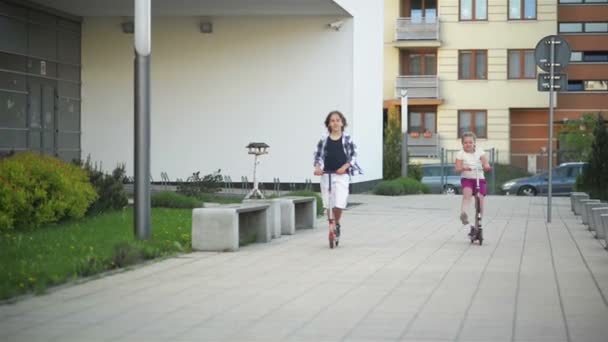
(339, 189)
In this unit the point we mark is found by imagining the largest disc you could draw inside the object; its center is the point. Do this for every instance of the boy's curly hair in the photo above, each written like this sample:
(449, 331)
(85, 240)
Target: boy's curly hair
(344, 123)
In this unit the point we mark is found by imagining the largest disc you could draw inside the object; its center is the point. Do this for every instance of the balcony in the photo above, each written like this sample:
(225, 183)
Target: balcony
(423, 145)
(420, 31)
(418, 87)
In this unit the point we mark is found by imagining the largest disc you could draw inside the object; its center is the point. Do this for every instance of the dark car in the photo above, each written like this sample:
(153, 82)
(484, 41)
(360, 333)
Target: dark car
(564, 177)
(431, 177)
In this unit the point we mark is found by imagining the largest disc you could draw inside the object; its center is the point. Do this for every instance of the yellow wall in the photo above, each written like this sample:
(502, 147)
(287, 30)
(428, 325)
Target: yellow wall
(391, 53)
(496, 94)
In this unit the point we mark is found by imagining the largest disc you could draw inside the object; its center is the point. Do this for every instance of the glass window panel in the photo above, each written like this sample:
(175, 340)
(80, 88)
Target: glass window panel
(69, 115)
(35, 140)
(529, 64)
(481, 9)
(11, 139)
(514, 65)
(596, 27)
(68, 140)
(415, 65)
(480, 124)
(14, 35)
(529, 9)
(415, 122)
(576, 56)
(465, 65)
(480, 66)
(514, 9)
(466, 9)
(570, 1)
(12, 81)
(68, 47)
(430, 64)
(68, 89)
(575, 86)
(595, 56)
(42, 42)
(596, 85)
(570, 27)
(465, 122)
(68, 72)
(429, 122)
(430, 10)
(12, 62)
(13, 109)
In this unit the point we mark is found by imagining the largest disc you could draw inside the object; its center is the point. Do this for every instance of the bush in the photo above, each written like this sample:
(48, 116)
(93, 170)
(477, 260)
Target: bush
(109, 187)
(307, 193)
(401, 186)
(37, 189)
(415, 171)
(196, 186)
(169, 199)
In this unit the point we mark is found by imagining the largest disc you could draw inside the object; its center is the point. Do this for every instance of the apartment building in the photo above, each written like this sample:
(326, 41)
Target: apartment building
(469, 65)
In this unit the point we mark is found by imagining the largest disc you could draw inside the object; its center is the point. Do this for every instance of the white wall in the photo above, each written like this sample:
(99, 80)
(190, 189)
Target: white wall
(368, 18)
(270, 79)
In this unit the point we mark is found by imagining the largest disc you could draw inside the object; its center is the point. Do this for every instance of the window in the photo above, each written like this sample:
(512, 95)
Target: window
(570, 27)
(421, 122)
(423, 10)
(474, 121)
(589, 56)
(473, 10)
(522, 64)
(596, 27)
(601, 27)
(582, 1)
(522, 9)
(588, 85)
(472, 65)
(596, 85)
(423, 64)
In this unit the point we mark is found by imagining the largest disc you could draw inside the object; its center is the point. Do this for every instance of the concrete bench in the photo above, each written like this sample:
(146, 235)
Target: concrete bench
(298, 213)
(574, 197)
(594, 220)
(274, 214)
(225, 227)
(584, 203)
(604, 221)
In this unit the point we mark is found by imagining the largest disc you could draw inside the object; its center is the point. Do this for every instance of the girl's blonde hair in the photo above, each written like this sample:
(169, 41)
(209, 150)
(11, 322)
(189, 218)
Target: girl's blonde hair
(468, 135)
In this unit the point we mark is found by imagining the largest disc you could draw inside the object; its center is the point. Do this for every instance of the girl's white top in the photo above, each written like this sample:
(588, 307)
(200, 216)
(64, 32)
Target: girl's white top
(472, 160)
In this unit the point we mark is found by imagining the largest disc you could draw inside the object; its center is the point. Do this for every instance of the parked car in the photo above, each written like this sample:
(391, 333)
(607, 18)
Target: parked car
(431, 176)
(564, 178)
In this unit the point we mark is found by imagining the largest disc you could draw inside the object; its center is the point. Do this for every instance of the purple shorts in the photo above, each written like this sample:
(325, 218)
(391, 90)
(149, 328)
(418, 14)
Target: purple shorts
(472, 183)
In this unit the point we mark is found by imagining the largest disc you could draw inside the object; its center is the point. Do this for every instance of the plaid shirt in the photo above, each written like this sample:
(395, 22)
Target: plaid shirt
(350, 150)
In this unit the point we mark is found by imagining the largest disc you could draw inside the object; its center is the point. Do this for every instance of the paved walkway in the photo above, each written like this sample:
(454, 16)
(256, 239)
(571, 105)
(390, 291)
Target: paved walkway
(404, 271)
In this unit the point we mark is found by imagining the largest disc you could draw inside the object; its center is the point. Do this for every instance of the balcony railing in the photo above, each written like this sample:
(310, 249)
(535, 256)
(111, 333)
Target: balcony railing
(423, 145)
(418, 86)
(421, 28)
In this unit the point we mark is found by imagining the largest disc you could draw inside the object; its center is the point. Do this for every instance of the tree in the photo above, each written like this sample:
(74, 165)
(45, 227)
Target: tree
(392, 146)
(595, 176)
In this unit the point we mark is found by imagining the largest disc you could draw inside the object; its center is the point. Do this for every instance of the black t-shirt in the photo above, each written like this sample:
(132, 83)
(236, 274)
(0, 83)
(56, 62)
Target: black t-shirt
(334, 155)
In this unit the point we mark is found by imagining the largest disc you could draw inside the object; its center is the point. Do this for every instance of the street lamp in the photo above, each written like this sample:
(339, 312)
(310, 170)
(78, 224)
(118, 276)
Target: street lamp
(257, 149)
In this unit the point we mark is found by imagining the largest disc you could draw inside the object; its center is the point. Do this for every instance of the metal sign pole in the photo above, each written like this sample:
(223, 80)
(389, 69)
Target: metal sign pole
(551, 104)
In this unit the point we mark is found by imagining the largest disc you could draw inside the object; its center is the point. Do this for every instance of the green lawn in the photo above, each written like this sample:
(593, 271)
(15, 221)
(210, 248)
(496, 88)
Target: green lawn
(30, 261)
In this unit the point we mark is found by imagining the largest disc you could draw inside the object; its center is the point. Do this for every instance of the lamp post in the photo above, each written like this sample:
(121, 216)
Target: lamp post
(142, 120)
(257, 149)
